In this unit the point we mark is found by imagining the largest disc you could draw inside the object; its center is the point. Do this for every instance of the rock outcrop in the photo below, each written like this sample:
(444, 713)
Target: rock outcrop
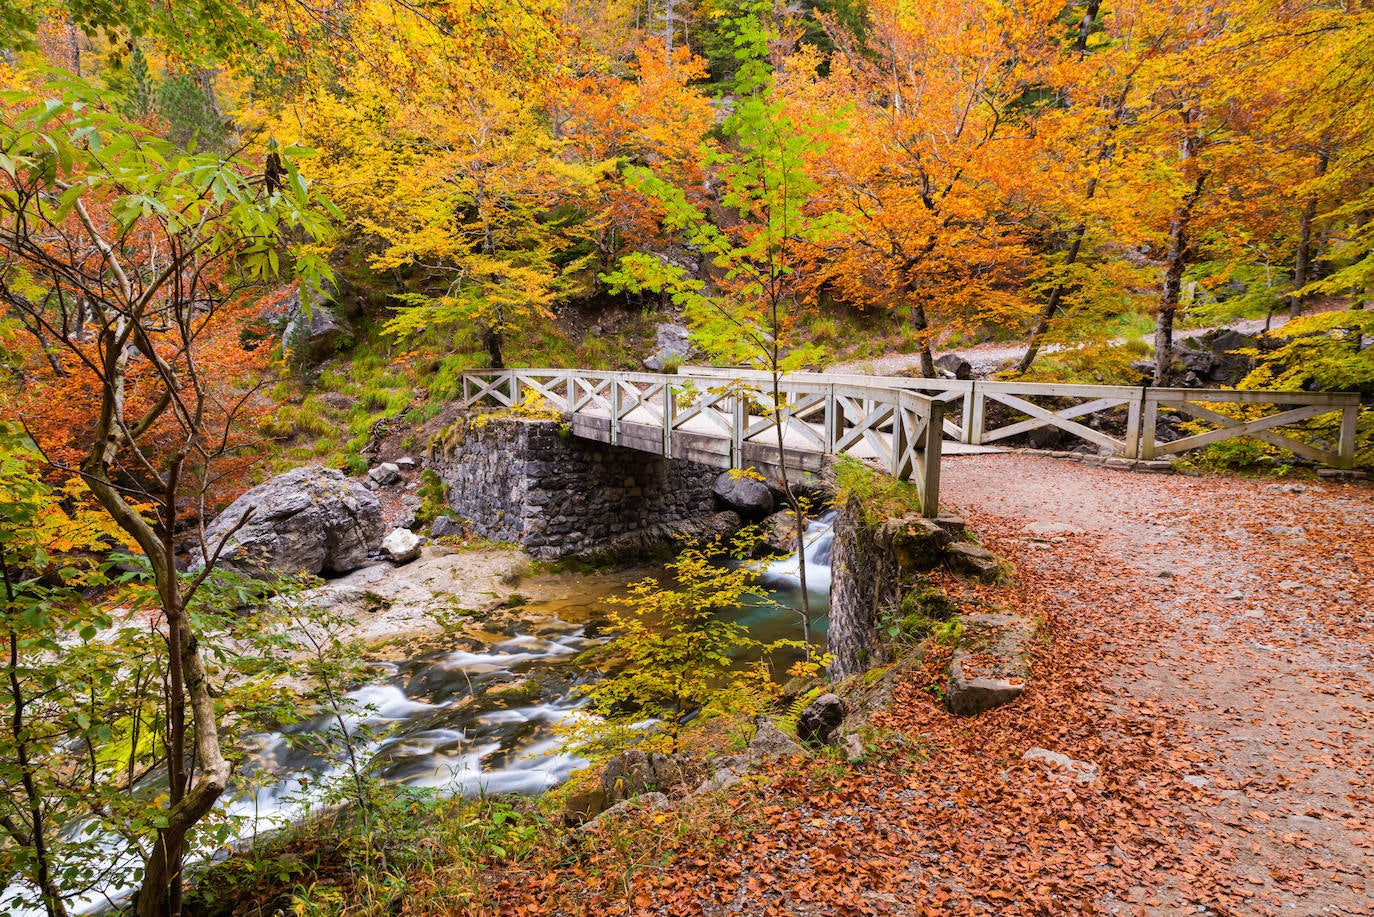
(990, 666)
(820, 719)
(747, 496)
(310, 520)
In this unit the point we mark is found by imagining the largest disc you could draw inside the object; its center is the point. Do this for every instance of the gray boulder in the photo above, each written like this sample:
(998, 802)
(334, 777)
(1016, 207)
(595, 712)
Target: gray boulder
(401, 546)
(674, 347)
(634, 771)
(316, 331)
(747, 496)
(779, 532)
(820, 719)
(383, 475)
(309, 520)
(954, 366)
(771, 742)
(446, 527)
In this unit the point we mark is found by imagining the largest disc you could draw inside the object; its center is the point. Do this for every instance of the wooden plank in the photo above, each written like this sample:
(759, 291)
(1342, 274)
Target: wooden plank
(1079, 410)
(1177, 396)
(1345, 451)
(1233, 429)
(1034, 410)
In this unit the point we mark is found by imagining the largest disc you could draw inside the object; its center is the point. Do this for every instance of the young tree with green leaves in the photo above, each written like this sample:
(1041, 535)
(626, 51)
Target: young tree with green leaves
(749, 314)
(676, 657)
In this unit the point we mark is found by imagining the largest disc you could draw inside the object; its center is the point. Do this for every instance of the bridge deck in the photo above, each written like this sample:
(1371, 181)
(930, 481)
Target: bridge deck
(729, 417)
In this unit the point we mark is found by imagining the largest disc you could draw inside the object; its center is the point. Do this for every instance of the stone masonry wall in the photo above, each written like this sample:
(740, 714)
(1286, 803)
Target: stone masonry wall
(528, 482)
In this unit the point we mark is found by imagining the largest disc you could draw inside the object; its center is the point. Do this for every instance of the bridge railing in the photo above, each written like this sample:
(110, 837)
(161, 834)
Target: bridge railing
(1140, 404)
(737, 421)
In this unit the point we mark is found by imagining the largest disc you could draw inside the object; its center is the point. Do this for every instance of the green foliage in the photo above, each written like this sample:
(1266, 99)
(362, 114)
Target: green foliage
(1321, 352)
(197, 30)
(678, 659)
(925, 612)
(72, 149)
(191, 116)
(433, 497)
(881, 495)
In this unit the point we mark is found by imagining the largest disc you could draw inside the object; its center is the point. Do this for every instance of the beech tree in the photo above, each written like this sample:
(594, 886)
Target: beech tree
(125, 253)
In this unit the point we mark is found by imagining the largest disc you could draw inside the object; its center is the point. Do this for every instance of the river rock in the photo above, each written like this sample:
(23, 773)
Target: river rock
(309, 520)
(648, 802)
(820, 719)
(971, 560)
(748, 496)
(771, 742)
(384, 475)
(954, 366)
(401, 546)
(634, 771)
(779, 532)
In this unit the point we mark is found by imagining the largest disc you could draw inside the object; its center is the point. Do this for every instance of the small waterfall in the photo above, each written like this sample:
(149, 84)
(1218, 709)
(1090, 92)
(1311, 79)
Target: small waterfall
(820, 536)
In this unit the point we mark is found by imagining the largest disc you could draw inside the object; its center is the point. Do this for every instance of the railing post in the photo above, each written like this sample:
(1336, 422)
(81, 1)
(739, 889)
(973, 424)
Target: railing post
(514, 387)
(1345, 452)
(973, 433)
(1133, 409)
(1149, 422)
(930, 461)
(615, 412)
(966, 415)
(834, 421)
(669, 409)
(738, 416)
(899, 438)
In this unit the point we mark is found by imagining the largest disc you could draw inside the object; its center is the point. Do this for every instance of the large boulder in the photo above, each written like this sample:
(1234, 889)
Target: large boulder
(674, 347)
(820, 719)
(313, 329)
(778, 533)
(634, 771)
(954, 366)
(309, 520)
(747, 496)
(401, 546)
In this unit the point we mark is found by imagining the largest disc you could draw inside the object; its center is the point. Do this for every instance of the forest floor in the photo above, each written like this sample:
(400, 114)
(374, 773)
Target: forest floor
(1206, 647)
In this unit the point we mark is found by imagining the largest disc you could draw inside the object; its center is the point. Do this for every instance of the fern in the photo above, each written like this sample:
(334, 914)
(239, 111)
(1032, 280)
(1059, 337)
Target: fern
(788, 721)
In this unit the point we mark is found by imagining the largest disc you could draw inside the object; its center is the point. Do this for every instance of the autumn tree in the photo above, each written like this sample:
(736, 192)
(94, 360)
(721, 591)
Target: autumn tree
(125, 252)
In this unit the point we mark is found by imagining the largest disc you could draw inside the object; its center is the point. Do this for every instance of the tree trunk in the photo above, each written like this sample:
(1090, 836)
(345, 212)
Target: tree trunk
(1302, 261)
(918, 319)
(1085, 26)
(1174, 264)
(1042, 322)
(491, 340)
(1080, 230)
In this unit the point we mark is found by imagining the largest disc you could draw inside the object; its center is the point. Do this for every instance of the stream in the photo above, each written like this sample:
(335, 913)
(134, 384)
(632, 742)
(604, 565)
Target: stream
(475, 720)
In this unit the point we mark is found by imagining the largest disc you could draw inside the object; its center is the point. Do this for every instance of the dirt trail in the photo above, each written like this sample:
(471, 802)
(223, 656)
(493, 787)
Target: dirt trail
(1241, 611)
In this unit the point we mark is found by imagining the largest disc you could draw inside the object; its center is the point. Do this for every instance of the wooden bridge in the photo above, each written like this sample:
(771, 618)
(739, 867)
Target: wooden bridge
(734, 418)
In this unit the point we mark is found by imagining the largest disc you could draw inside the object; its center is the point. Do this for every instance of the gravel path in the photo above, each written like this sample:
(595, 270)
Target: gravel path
(1243, 612)
(990, 357)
